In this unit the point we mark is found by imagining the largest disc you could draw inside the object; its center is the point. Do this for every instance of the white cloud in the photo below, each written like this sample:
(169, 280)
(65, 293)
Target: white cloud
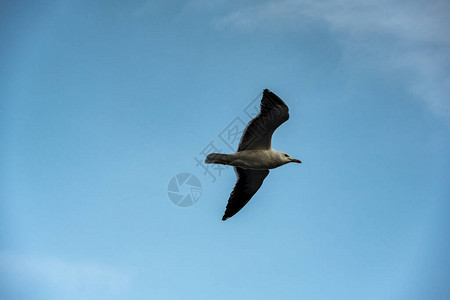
(408, 37)
(58, 277)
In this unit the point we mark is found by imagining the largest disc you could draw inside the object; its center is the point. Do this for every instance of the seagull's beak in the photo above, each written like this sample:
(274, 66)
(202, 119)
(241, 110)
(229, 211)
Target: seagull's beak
(296, 160)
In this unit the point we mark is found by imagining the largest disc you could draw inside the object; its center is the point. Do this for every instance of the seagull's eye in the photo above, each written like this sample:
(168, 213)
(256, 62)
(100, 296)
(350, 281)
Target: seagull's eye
(286, 155)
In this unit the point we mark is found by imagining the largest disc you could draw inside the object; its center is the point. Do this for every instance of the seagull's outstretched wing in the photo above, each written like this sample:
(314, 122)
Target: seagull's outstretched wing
(258, 133)
(248, 183)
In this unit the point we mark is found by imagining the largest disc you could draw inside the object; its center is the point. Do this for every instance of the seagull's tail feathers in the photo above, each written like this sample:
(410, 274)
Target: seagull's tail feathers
(218, 158)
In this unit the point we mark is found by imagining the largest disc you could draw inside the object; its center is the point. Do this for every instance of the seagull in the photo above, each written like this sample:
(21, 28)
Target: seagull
(255, 155)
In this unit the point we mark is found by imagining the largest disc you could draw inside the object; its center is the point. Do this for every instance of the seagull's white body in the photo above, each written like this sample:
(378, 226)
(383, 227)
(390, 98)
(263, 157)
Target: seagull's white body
(258, 159)
(255, 155)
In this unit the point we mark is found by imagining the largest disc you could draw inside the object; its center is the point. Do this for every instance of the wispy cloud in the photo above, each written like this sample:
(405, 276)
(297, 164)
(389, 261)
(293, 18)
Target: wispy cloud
(408, 37)
(60, 277)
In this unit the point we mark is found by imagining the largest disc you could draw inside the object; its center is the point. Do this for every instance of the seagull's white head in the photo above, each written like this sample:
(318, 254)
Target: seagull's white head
(286, 158)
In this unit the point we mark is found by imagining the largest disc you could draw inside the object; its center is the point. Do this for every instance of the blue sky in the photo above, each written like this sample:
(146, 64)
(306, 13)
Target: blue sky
(103, 102)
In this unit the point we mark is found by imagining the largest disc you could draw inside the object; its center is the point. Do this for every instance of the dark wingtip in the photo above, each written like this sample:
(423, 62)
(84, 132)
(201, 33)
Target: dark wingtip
(224, 218)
